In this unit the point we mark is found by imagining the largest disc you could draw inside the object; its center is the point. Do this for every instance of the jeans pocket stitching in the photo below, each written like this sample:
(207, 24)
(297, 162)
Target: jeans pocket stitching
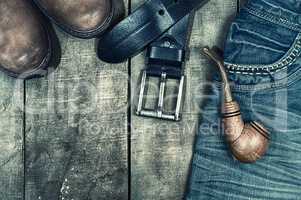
(274, 19)
(288, 59)
(288, 82)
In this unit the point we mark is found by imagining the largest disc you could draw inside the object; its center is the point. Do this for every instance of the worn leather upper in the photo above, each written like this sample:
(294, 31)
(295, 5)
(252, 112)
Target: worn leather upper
(23, 40)
(78, 15)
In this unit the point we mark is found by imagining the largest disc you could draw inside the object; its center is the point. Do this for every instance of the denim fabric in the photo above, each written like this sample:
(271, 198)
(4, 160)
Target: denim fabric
(262, 55)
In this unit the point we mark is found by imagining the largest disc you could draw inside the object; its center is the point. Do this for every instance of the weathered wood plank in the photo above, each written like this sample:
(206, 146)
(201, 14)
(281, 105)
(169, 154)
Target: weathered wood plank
(11, 138)
(76, 128)
(242, 3)
(161, 150)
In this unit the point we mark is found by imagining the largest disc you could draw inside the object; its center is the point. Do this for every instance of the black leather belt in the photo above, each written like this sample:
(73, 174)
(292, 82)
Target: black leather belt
(165, 58)
(163, 26)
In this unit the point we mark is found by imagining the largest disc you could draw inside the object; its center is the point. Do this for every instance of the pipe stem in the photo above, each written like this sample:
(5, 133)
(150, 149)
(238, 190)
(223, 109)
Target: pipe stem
(219, 61)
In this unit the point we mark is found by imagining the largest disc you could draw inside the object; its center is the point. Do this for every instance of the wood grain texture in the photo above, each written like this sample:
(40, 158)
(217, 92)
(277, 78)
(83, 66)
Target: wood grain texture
(242, 3)
(76, 125)
(76, 128)
(11, 138)
(162, 150)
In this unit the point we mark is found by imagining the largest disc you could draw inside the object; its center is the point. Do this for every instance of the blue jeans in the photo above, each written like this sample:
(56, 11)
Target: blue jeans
(262, 55)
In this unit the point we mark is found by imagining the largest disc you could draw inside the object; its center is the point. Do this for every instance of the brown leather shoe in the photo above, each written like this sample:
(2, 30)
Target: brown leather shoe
(83, 18)
(25, 44)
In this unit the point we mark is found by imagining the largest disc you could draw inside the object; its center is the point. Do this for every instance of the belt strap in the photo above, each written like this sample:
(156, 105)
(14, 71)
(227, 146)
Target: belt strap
(142, 27)
(167, 54)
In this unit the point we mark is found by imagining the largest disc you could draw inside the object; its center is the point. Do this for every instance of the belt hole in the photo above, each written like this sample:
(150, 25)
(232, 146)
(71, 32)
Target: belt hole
(161, 12)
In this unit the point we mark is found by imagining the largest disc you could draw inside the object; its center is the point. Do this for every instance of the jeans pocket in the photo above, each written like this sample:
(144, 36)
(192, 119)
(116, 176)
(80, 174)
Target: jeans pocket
(259, 53)
(263, 61)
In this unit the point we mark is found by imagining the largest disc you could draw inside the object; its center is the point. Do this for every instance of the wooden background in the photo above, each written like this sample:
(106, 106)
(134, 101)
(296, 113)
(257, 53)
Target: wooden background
(73, 135)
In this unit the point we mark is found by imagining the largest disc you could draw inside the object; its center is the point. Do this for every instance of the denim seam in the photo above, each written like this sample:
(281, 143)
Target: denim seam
(274, 19)
(282, 64)
(280, 84)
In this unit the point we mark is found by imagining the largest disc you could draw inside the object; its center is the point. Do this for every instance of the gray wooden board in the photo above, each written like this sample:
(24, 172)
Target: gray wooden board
(76, 143)
(76, 128)
(11, 138)
(161, 150)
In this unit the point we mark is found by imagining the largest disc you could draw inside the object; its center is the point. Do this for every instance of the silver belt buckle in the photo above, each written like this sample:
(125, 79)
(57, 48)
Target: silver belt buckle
(158, 112)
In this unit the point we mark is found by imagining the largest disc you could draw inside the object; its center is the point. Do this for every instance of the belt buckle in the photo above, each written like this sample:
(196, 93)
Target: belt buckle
(159, 112)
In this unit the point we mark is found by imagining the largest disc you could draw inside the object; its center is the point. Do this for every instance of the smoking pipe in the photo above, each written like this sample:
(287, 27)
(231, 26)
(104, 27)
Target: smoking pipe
(248, 141)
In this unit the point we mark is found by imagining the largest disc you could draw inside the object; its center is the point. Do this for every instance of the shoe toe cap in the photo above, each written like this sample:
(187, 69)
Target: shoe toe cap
(80, 16)
(23, 41)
